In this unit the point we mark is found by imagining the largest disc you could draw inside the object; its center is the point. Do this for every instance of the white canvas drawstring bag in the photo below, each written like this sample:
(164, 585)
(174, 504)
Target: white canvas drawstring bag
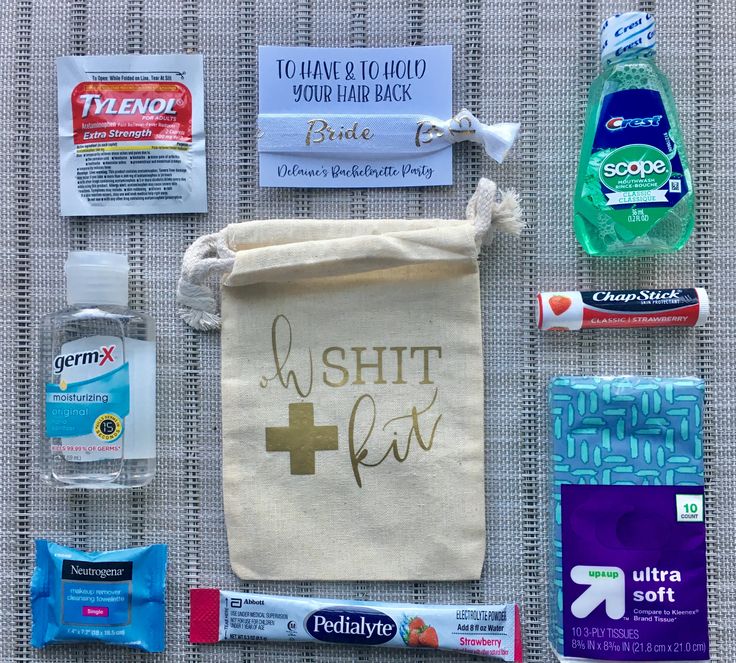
(352, 392)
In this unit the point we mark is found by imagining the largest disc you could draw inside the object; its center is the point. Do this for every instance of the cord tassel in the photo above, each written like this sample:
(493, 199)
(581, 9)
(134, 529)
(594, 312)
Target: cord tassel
(490, 212)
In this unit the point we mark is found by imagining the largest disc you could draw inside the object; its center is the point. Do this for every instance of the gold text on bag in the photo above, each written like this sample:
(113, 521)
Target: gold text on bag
(301, 438)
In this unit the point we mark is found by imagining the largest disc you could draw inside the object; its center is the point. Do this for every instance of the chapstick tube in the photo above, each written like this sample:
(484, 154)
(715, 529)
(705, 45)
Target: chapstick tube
(493, 631)
(573, 310)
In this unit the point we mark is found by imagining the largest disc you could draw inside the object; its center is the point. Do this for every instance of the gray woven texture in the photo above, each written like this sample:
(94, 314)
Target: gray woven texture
(530, 60)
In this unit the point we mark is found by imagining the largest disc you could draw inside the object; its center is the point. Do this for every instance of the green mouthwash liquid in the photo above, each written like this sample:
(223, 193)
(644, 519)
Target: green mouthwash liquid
(634, 193)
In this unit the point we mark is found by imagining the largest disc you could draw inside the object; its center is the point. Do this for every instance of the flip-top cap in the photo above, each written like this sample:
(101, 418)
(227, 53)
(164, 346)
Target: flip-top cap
(96, 277)
(627, 36)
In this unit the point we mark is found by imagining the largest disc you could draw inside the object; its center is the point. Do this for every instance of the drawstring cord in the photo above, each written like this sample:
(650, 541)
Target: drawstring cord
(489, 212)
(210, 255)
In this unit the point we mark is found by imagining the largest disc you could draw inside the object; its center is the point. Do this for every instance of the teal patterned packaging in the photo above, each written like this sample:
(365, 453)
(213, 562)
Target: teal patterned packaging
(628, 556)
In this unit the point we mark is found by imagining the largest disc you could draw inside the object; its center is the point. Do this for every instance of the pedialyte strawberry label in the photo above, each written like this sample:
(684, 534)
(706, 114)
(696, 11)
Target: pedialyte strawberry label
(131, 135)
(492, 631)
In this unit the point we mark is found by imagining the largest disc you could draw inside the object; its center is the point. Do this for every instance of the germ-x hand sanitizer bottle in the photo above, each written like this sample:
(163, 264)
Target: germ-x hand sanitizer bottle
(634, 193)
(98, 365)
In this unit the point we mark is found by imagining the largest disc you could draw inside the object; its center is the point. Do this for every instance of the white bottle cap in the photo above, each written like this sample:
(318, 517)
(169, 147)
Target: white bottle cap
(96, 277)
(704, 310)
(627, 36)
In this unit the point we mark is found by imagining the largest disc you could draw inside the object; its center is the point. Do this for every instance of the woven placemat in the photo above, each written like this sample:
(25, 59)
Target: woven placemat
(530, 60)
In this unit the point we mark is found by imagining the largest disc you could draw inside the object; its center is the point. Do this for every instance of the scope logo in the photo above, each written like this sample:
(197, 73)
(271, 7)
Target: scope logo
(616, 123)
(351, 625)
(635, 168)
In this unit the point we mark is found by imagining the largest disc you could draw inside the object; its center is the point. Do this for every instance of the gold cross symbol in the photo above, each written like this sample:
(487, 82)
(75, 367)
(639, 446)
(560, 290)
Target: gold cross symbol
(301, 438)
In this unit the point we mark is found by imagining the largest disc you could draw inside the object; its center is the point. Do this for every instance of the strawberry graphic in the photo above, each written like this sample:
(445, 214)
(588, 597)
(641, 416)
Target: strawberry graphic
(559, 304)
(416, 623)
(428, 638)
(413, 638)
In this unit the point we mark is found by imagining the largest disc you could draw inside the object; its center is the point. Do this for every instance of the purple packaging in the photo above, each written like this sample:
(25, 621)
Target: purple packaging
(629, 564)
(634, 578)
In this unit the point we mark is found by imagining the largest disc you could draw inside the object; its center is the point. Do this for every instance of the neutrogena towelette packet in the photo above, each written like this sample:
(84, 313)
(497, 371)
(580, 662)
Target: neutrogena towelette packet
(116, 597)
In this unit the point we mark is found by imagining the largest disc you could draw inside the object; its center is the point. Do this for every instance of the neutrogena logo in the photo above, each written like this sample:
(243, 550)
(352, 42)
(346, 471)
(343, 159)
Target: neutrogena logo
(72, 569)
(351, 624)
(606, 584)
(101, 357)
(82, 571)
(616, 123)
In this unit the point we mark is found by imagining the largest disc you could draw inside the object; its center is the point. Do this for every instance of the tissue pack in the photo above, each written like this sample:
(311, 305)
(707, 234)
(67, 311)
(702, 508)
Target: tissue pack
(628, 567)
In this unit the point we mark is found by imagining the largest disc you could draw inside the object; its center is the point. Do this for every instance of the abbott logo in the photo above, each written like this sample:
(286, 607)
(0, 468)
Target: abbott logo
(606, 584)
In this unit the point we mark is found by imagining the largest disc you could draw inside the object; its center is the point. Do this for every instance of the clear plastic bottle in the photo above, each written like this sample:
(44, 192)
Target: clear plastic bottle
(98, 365)
(634, 193)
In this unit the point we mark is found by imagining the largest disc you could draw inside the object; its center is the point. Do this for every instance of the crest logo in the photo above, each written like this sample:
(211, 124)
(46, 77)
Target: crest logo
(616, 123)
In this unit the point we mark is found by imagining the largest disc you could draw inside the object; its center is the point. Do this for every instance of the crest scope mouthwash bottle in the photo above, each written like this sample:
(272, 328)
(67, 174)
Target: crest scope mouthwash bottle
(98, 362)
(634, 193)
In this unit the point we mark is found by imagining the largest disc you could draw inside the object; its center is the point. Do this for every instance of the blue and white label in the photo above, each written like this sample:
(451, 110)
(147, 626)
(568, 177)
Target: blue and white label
(344, 117)
(88, 399)
(101, 399)
(627, 36)
(87, 407)
(638, 160)
(351, 625)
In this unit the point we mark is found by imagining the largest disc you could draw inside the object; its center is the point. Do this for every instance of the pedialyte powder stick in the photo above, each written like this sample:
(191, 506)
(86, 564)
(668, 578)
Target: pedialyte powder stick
(573, 310)
(484, 630)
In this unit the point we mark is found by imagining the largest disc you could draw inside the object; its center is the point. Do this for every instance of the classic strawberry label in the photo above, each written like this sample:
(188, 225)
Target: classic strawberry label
(682, 316)
(673, 307)
(142, 111)
(640, 308)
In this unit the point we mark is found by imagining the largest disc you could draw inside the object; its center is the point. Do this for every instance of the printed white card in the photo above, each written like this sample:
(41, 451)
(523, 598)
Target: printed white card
(354, 117)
